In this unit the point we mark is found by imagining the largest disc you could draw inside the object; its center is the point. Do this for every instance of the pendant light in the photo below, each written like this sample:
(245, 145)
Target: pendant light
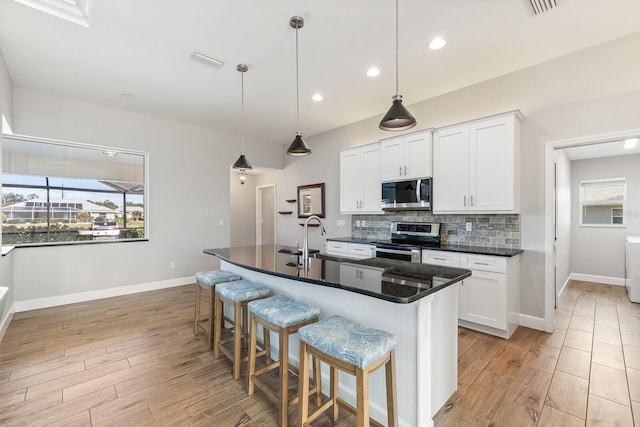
(298, 147)
(398, 117)
(242, 163)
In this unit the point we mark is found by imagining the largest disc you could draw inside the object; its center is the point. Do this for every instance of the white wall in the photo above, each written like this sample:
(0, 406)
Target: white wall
(599, 251)
(6, 262)
(188, 194)
(590, 92)
(563, 220)
(243, 208)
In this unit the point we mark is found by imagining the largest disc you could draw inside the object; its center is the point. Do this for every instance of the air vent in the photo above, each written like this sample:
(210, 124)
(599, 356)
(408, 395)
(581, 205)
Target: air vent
(541, 6)
(206, 59)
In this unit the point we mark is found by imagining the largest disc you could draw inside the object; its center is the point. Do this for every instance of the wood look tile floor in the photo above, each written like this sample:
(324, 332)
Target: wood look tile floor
(133, 360)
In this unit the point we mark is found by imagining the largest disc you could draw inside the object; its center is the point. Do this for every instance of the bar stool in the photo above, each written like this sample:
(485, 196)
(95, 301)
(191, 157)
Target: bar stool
(238, 294)
(284, 316)
(209, 280)
(352, 348)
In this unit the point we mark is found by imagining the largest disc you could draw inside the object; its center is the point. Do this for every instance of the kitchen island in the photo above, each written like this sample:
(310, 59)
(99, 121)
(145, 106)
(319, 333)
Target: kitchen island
(416, 302)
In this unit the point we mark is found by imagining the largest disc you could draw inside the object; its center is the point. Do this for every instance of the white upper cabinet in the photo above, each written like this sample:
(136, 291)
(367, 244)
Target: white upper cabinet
(476, 166)
(360, 183)
(407, 156)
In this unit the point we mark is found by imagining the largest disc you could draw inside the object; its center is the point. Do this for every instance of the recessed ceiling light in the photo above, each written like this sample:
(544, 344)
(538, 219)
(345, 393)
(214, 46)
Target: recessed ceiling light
(317, 97)
(630, 143)
(437, 43)
(206, 59)
(373, 72)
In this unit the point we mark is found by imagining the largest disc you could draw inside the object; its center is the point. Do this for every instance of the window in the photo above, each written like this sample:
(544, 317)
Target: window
(54, 192)
(602, 202)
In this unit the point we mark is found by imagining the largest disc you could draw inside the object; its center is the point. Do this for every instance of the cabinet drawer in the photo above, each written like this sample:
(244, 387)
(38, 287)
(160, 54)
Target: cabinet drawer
(449, 259)
(361, 250)
(340, 247)
(484, 263)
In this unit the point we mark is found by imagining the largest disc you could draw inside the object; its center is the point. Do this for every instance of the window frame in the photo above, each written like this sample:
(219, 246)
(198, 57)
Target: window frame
(144, 157)
(623, 202)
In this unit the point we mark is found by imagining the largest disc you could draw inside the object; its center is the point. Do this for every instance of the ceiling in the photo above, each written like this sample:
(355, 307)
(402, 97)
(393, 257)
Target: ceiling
(601, 149)
(134, 55)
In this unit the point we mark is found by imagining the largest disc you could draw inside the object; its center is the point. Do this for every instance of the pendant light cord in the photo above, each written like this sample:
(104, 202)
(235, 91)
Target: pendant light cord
(397, 90)
(242, 116)
(297, 88)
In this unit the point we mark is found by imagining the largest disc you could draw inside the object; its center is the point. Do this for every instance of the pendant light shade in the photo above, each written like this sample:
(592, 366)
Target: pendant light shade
(242, 163)
(298, 147)
(398, 117)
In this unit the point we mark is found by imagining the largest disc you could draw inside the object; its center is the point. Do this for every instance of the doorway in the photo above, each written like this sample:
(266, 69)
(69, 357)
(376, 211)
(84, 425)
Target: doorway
(266, 214)
(554, 207)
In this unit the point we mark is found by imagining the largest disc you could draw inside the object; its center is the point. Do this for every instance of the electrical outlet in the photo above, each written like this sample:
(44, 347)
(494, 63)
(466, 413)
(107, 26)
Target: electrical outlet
(468, 226)
(172, 265)
(340, 223)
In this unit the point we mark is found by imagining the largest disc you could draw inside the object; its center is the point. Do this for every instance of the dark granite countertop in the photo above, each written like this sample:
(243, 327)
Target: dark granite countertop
(396, 281)
(480, 250)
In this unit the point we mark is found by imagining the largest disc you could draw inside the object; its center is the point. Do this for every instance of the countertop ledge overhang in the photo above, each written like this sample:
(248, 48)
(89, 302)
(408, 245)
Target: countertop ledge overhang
(391, 280)
(478, 250)
(7, 249)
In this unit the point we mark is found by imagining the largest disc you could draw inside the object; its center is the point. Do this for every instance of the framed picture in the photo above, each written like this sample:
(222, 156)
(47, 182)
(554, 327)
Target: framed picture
(311, 200)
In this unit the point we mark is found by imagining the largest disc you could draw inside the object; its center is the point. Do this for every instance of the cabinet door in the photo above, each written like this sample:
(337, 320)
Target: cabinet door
(350, 180)
(483, 299)
(417, 155)
(392, 158)
(492, 165)
(372, 183)
(451, 169)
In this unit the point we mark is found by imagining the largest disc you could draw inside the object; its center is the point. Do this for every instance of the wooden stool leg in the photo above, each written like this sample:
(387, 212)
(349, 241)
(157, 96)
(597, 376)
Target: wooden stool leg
(334, 384)
(284, 377)
(212, 298)
(303, 385)
(392, 398)
(238, 332)
(252, 355)
(219, 313)
(245, 325)
(317, 380)
(196, 315)
(362, 398)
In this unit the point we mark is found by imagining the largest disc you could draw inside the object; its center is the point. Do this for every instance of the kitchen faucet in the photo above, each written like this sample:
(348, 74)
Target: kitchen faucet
(305, 243)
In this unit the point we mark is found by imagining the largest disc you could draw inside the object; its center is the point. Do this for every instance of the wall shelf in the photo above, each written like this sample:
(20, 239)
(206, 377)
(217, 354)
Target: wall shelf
(311, 225)
(285, 212)
(291, 200)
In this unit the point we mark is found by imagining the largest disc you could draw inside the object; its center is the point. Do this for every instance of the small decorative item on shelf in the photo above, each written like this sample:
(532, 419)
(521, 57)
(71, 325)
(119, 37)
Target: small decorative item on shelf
(291, 200)
(285, 212)
(310, 225)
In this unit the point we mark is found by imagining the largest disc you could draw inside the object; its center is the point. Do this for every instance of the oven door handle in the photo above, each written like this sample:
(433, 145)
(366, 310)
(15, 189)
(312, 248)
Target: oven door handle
(397, 251)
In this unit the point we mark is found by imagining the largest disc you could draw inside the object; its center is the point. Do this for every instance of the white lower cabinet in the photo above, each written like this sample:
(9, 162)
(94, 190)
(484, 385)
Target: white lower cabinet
(490, 298)
(362, 277)
(349, 250)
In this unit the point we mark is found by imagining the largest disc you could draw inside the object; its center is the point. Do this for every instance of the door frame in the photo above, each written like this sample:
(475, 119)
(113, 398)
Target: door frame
(549, 198)
(259, 189)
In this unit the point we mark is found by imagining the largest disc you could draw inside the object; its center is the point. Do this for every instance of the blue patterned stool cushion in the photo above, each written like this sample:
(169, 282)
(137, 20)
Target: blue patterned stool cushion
(283, 311)
(242, 290)
(348, 341)
(212, 278)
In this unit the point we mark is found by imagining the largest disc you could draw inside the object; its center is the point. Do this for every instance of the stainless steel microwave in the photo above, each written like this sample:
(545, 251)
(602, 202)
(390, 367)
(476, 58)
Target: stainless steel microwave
(413, 194)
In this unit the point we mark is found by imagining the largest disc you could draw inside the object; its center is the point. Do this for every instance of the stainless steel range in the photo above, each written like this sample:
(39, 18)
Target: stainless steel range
(408, 239)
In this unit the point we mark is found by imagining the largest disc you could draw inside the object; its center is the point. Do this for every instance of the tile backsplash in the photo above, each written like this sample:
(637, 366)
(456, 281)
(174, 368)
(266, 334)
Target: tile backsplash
(488, 230)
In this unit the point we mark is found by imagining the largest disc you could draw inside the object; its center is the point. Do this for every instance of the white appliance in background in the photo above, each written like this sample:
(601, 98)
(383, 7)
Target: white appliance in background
(632, 268)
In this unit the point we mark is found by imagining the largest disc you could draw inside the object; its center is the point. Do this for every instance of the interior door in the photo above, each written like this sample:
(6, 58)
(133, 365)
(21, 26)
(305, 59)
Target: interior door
(266, 211)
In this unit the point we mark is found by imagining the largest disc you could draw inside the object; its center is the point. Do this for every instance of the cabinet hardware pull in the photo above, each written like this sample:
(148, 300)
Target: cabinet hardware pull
(480, 263)
(405, 169)
(465, 201)
(400, 171)
(440, 259)
(471, 200)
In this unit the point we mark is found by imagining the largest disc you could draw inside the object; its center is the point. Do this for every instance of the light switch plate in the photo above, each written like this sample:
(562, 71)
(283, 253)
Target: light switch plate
(340, 223)
(468, 226)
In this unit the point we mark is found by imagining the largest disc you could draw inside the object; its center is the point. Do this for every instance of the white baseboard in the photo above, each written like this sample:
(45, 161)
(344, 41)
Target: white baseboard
(38, 303)
(564, 288)
(4, 322)
(617, 281)
(532, 322)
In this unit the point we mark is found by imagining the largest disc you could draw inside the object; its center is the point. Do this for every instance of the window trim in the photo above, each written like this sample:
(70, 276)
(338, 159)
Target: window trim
(624, 202)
